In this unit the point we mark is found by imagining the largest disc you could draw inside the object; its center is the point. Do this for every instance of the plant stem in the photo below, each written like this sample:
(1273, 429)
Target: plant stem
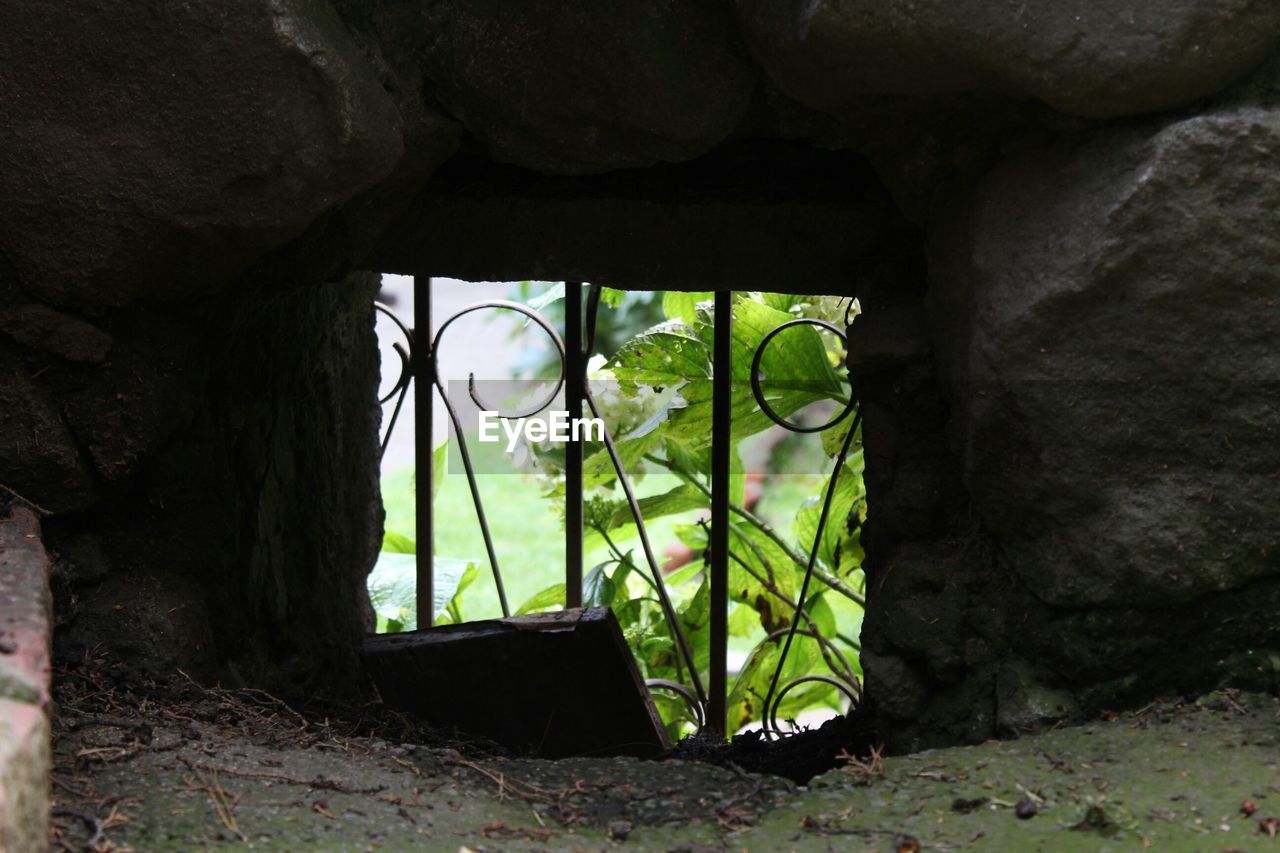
(622, 558)
(824, 644)
(765, 528)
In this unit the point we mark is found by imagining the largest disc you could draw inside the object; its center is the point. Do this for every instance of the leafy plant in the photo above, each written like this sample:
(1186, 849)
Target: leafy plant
(656, 395)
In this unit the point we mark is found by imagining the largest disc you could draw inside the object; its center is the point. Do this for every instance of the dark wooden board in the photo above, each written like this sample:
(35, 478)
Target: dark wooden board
(548, 684)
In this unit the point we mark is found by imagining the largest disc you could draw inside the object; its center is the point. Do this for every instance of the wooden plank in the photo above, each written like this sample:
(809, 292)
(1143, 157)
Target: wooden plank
(548, 684)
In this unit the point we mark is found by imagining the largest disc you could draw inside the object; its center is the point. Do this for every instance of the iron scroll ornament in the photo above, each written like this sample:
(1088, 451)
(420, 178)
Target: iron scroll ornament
(430, 368)
(694, 695)
(533, 409)
(403, 351)
(845, 679)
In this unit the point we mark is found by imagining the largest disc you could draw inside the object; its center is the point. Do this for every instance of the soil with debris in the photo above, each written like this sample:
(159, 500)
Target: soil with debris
(150, 766)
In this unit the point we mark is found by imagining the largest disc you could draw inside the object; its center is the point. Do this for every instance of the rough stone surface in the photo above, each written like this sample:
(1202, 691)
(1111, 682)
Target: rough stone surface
(768, 216)
(1107, 317)
(158, 621)
(78, 562)
(147, 391)
(41, 328)
(39, 459)
(25, 689)
(236, 449)
(1097, 58)
(300, 443)
(430, 136)
(154, 152)
(578, 89)
(1172, 777)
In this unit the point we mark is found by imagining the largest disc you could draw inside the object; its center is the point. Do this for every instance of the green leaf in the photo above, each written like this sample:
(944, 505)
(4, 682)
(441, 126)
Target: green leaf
(796, 359)
(397, 543)
(682, 498)
(692, 535)
(612, 296)
(552, 294)
(737, 476)
(796, 371)
(597, 587)
(393, 581)
(849, 491)
(695, 617)
(676, 717)
(668, 400)
(597, 469)
(658, 652)
(452, 577)
(660, 358)
(768, 564)
(439, 462)
(780, 301)
(629, 613)
(683, 306)
(742, 621)
(391, 584)
(695, 462)
(692, 422)
(685, 458)
(833, 438)
(689, 571)
(747, 696)
(552, 596)
(821, 614)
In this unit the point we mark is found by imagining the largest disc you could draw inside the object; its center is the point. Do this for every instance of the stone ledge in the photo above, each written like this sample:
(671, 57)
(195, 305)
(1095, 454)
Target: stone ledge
(25, 636)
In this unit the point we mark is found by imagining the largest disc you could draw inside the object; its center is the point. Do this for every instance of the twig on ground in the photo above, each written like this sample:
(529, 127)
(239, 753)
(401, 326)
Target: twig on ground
(863, 770)
(322, 783)
(223, 805)
(556, 797)
(522, 790)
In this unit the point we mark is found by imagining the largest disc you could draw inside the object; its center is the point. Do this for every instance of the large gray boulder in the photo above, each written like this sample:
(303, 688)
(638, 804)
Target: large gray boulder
(581, 88)
(153, 151)
(1108, 318)
(39, 459)
(1096, 58)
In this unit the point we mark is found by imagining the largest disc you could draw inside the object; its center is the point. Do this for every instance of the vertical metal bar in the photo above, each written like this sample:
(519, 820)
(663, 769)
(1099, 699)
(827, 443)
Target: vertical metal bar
(721, 449)
(575, 378)
(424, 389)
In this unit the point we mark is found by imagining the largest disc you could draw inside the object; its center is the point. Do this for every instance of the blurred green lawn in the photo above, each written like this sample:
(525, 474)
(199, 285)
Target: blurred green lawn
(529, 539)
(527, 534)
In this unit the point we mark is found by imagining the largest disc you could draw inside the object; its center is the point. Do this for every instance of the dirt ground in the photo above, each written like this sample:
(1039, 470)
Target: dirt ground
(148, 766)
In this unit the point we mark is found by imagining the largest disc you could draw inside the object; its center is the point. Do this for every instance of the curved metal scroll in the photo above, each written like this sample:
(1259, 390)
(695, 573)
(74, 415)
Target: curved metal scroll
(845, 680)
(696, 697)
(664, 598)
(432, 356)
(401, 389)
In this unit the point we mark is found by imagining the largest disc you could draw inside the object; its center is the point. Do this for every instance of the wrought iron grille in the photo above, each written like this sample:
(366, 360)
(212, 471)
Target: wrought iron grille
(706, 700)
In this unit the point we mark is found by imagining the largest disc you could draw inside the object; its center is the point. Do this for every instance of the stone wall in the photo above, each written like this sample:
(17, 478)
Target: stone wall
(1070, 377)
(224, 507)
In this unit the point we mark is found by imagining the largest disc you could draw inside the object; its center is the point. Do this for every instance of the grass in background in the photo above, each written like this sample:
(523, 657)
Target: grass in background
(527, 534)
